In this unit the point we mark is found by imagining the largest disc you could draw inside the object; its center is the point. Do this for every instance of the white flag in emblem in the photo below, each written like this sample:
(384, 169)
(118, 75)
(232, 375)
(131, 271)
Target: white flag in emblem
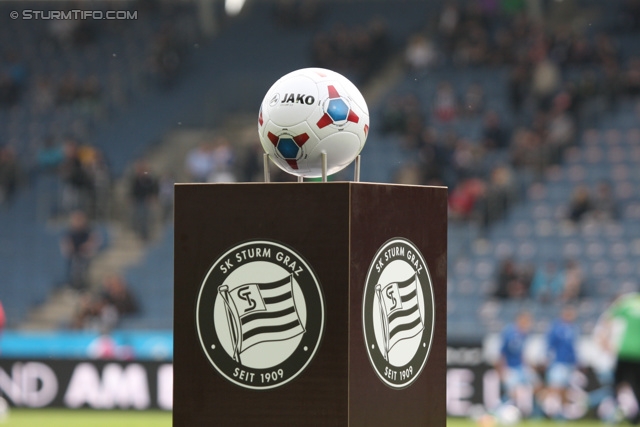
(261, 312)
(400, 311)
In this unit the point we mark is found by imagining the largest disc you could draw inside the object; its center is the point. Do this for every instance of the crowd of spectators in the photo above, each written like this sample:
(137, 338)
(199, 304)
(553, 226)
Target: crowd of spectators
(297, 13)
(60, 82)
(549, 110)
(547, 283)
(103, 310)
(354, 51)
(79, 244)
(212, 161)
(553, 281)
(478, 191)
(599, 204)
(63, 103)
(79, 177)
(561, 77)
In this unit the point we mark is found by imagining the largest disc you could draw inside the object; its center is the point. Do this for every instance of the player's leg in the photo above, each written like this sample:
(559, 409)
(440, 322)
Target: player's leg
(555, 395)
(634, 382)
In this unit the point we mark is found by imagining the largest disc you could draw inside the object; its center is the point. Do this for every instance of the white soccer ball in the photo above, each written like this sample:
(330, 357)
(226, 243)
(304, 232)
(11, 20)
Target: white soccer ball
(508, 415)
(308, 112)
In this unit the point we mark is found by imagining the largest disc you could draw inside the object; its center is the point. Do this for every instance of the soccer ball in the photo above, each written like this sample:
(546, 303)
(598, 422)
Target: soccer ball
(508, 415)
(308, 112)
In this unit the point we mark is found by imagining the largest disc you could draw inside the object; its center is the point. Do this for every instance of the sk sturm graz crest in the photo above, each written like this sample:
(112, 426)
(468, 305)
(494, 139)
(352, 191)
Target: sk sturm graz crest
(260, 314)
(398, 313)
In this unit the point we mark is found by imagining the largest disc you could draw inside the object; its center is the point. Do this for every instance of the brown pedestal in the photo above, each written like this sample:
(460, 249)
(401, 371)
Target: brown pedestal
(310, 304)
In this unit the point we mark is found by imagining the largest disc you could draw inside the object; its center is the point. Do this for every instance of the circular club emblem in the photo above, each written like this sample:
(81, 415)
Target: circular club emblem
(398, 313)
(260, 314)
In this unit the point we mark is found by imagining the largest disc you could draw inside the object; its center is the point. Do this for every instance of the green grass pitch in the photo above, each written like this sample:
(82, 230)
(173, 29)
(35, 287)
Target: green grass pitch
(459, 422)
(84, 418)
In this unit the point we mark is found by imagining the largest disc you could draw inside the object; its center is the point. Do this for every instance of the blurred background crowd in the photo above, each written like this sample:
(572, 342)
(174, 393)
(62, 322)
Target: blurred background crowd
(527, 110)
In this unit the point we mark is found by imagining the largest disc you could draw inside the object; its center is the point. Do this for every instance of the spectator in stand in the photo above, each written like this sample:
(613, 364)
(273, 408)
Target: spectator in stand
(548, 283)
(605, 49)
(10, 174)
(612, 84)
(222, 161)
(117, 294)
(562, 340)
(353, 51)
(545, 82)
(420, 54)
(580, 204)
(78, 245)
(631, 77)
(46, 174)
(494, 134)
(500, 194)
(17, 68)
(519, 85)
(98, 169)
(471, 38)
(252, 168)
(199, 163)
(49, 157)
(166, 58)
(143, 191)
(68, 89)
(63, 31)
(511, 282)
(90, 94)
(473, 103)
(77, 183)
(448, 25)
(43, 97)
(435, 159)
(408, 174)
(103, 310)
(94, 314)
(166, 196)
(466, 158)
(445, 104)
(296, 13)
(464, 197)
(605, 206)
(9, 90)
(581, 51)
(399, 111)
(560, 131)
(629, 15)
(573, 278)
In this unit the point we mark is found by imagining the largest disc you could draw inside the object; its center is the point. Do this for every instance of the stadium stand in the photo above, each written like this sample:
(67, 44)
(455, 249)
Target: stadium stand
(138, 107)
(121, 106)
(65, 89)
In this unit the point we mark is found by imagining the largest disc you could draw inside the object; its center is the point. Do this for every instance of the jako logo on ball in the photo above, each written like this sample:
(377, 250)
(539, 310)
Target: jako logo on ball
(398, 313)
(308, 112)
(260, 314)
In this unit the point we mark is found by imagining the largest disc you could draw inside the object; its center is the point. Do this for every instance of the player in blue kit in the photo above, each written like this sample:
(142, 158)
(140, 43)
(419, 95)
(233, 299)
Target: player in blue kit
(561, 350)
(519, 379)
